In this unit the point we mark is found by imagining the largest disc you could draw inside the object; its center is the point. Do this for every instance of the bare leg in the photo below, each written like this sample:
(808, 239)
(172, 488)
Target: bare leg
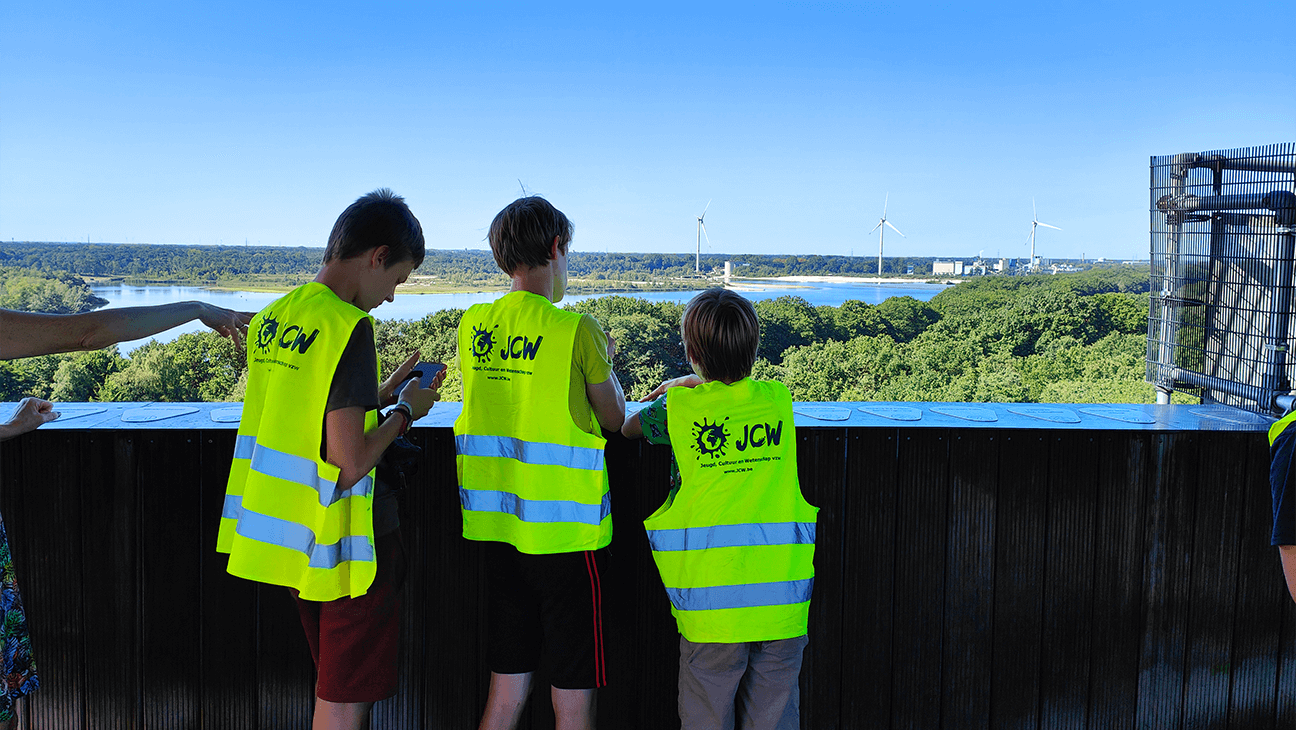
(574, 709)
(341, 715)
(504, 703)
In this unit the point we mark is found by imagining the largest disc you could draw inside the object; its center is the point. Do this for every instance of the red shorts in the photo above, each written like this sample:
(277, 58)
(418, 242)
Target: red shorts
(354, 641)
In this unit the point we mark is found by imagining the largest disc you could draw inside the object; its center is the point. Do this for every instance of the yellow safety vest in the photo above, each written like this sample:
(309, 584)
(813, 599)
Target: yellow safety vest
(528, 475)
(1276, 429)
(735, 542)
(285, 521)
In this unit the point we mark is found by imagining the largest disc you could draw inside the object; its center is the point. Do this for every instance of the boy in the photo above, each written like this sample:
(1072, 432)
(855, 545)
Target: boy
(301, 508)
(538, 390)
(734, 541)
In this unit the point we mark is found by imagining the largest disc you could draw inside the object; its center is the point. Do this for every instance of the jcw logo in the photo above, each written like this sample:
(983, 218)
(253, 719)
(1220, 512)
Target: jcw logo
(760, 434)
(711, 439)
(512, 347)
(293, 337)
(520, 348)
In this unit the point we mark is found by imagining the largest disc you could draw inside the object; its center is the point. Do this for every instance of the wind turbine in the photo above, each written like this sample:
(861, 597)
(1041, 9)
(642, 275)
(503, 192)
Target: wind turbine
(1035, 221)
(881, 223)
(701, 231)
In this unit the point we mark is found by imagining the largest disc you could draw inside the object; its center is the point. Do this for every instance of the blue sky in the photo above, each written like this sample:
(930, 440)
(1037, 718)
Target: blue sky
(172, 122)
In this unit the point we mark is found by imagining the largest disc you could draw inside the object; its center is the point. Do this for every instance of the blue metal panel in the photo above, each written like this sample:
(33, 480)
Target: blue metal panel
(1082, 417)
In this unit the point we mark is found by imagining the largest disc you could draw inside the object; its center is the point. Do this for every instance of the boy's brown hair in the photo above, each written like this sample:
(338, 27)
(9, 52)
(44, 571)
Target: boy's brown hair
(380, 218)
(722, 334)
(522, 233)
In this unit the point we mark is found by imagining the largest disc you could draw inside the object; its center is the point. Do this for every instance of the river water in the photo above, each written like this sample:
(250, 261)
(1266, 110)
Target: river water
(416, 306)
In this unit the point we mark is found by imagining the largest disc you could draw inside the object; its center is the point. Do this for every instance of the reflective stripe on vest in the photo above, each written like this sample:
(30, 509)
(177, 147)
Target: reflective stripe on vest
(750, 595)
(530, 452)
(274, 531)
(299, 470)
(735, 542)
(528, 475)
(717, 536)
(286, 520)
(535, 510)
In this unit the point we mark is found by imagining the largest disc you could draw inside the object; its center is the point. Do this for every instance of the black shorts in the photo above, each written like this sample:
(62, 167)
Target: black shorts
(545, 612)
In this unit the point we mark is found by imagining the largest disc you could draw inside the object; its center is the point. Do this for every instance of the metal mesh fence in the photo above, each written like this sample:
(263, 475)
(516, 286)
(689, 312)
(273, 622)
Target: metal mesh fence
(1222, 248)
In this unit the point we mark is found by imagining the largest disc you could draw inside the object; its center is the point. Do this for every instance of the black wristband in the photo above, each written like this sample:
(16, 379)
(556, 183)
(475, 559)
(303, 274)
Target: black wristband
(409, 419)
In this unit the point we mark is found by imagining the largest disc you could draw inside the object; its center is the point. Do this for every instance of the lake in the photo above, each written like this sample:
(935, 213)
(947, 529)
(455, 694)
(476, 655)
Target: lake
(415, 306)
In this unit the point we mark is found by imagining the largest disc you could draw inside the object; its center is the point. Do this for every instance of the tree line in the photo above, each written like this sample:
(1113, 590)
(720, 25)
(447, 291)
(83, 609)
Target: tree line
(283, 266)
(1071, 338)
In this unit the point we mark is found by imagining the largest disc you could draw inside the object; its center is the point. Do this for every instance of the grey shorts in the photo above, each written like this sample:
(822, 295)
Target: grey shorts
(752, 686)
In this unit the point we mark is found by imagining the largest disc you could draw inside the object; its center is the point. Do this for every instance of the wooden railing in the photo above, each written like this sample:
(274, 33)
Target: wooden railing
(969, 575)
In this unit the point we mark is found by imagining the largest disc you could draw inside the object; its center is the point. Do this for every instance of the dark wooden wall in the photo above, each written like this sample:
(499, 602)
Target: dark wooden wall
(967, 578)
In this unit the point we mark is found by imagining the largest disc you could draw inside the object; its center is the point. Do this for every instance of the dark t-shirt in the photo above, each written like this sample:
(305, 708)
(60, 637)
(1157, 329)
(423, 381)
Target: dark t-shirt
(355, 383)
(1281, 479)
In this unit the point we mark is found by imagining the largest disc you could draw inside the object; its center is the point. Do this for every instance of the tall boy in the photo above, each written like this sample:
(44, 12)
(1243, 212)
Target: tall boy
(734, 541)
(301, 508)
(538, 390)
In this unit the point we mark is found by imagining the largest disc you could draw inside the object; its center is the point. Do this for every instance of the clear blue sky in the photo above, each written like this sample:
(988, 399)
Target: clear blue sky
(215, 122)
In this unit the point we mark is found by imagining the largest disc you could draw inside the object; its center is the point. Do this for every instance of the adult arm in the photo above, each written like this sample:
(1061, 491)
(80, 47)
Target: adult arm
(31, 414)
(27, 334)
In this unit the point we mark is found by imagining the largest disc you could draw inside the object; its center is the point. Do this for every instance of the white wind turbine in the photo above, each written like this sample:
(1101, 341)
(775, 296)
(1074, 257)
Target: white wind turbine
(881, 223)
(701, 231)
(1035, 222)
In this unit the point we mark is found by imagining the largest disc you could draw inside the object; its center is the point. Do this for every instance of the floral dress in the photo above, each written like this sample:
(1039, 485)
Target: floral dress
(17, 669)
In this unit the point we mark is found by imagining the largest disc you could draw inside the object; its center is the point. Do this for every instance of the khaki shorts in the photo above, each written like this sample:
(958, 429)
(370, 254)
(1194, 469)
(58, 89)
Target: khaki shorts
(754, 685)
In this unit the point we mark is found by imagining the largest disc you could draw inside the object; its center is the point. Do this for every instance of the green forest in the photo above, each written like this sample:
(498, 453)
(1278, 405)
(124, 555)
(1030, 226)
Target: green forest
(274, 267)
(1069, 338)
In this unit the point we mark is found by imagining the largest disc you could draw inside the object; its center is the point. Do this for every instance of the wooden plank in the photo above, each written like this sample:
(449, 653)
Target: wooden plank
(921, 506)
(39, 498)
(1166, 579)
(868, 576)
(1118, 578)
(1286, 690)
(642, 640)
(1019, 579)
(1216, 545)
(285, 673)
(1262, 607)
(1260, 599)
(1068, 580)
(1174, 520)
(110, 574)
(406, 708)
(169, 551)
(228, 616)
(821, 466)
(455, 682)
(970, 579)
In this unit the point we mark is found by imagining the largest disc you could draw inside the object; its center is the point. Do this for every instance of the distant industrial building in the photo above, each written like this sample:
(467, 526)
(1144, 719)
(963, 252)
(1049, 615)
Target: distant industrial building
(952, 268)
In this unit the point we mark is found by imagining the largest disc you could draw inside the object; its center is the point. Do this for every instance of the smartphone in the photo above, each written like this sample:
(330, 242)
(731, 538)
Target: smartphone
(425, 372)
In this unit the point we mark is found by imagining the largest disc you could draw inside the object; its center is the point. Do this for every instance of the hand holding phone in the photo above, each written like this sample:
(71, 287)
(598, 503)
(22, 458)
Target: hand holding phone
(422, 397)
(426, 372)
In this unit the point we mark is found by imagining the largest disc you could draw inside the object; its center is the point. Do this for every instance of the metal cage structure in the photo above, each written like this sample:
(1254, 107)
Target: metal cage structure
(1223, 240)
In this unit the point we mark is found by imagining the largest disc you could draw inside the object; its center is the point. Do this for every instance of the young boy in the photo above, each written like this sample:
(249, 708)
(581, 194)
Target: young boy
(538, 390)
(302, 509)
(734, 541)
